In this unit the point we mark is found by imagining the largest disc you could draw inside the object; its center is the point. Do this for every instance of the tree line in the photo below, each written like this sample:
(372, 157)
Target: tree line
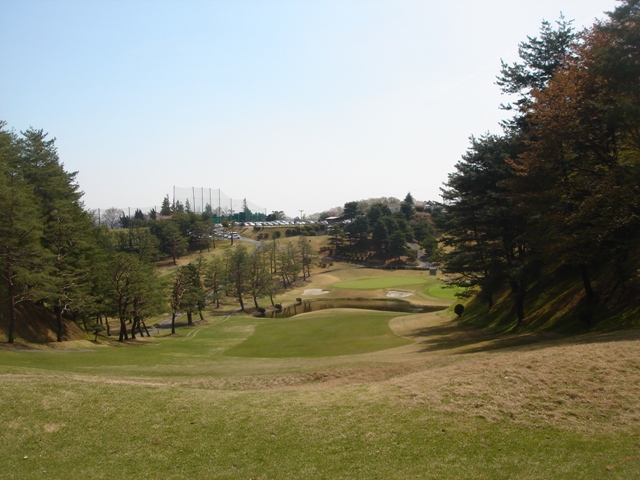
(373, 231)
(556, 194)
(56, 262)
(239, 274)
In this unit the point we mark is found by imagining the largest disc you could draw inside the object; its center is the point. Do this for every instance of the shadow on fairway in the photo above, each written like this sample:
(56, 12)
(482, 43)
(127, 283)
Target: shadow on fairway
(460, 339)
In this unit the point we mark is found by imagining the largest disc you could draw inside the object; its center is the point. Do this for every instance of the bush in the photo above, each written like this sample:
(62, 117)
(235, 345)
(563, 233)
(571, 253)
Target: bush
(458, 309)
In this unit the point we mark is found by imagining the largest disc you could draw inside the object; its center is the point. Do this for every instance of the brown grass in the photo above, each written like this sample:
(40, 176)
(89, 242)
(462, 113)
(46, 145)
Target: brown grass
(578, 383)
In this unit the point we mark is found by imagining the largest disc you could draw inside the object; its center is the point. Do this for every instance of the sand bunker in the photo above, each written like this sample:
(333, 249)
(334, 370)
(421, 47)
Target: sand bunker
(398, 294)
(315, 291)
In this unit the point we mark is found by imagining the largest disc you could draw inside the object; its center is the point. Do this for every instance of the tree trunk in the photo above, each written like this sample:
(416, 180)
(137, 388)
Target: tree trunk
(145, 327)
(586, 282)
(139, 326)
(60, 325)
(189, 317)
(173, 323)
(518, 293)
(241, 302)
(123, 330)
(12, 311)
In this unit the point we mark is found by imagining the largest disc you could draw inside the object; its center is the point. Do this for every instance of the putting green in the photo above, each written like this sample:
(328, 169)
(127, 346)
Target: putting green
(322, 334)
(382, 282)
(441, 290)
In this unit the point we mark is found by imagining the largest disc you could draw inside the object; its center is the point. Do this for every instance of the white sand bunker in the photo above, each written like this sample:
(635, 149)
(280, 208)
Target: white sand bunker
(315, 291)
(398, 294)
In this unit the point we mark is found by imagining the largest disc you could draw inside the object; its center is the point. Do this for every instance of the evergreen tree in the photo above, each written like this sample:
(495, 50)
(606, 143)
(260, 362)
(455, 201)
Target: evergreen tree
(165, 208)
(22, 257)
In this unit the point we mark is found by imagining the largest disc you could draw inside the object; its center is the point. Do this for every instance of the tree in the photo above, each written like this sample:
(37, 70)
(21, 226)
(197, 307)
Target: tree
(358, 229)
(407, 207)
(540, 58)
(65, 223)
(350, 210)
(306, 252)
(397, 244)
(165, 208)
(481, 227)
(380, 236)
(237, 272)
(21, 254)
(377, 211)
(214, 279)
(260, 274)
(171, 240)
(121, 277)
(138, 215)
(580, 172)
(146, 297)
(289, 265)
(111, 217)
(336, 239)
(194, 294)
(179, 288)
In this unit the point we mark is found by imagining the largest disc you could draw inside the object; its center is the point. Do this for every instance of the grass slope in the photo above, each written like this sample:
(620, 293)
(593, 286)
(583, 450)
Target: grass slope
(453, 403)
(432, 399)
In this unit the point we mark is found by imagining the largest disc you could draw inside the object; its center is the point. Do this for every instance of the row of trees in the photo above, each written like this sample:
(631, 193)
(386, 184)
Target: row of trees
(374, 230)
(239, 274)
(45, 242)
(557, 193)
(53, 258)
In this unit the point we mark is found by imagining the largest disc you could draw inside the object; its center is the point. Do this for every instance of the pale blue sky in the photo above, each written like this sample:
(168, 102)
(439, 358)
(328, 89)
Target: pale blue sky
(294, 105)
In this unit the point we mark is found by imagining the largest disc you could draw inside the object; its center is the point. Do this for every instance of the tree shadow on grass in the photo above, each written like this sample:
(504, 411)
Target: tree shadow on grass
(460, 339)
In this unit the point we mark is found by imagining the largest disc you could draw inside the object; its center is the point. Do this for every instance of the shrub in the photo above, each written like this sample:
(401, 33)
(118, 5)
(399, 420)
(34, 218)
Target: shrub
(458, 309)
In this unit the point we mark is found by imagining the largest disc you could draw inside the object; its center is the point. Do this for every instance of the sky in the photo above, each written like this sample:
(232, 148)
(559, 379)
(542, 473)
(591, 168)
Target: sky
(294, 105)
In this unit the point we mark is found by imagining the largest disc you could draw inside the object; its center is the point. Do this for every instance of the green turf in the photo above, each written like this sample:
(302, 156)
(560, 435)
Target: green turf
(382, 282)
(325, 333)
(440, 290)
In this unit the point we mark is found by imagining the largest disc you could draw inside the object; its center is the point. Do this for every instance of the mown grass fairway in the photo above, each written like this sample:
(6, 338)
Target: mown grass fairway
(322, 334)
(410, 397)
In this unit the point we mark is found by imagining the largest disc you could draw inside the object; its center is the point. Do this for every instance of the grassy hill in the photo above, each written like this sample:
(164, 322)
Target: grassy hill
(445, 402)
(555, 301)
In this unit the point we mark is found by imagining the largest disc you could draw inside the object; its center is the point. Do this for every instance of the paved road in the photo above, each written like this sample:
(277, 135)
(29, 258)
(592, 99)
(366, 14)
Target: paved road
(418, 249)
